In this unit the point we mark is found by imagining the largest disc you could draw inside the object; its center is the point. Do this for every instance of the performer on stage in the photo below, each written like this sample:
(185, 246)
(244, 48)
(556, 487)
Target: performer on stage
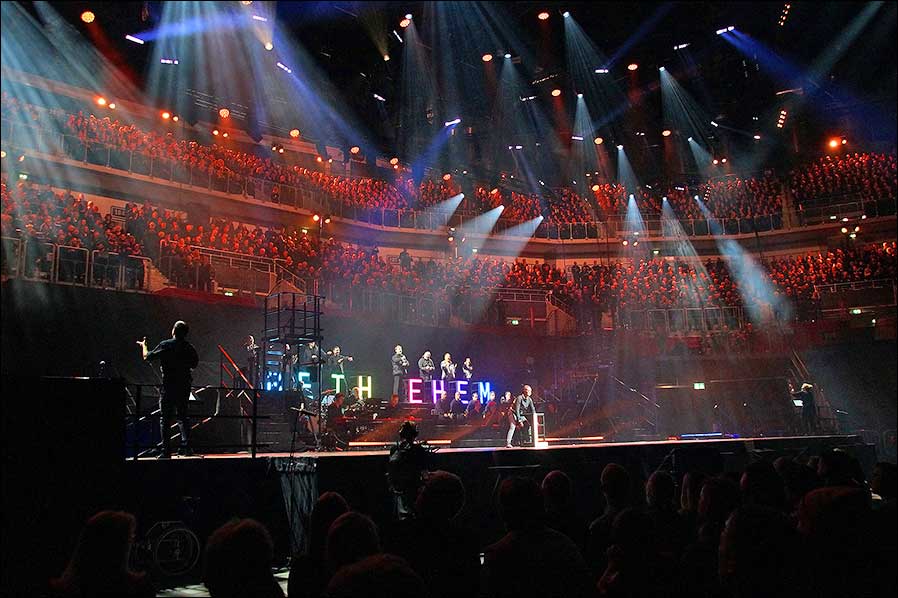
(467, 369)
(474, 412)
(400, 368)
(252, 360)
(288, 368)
(448, 369)
(426, 367)
(178, 357)
(336, 360)
(457, 407)
(518, 417)
(808, 407)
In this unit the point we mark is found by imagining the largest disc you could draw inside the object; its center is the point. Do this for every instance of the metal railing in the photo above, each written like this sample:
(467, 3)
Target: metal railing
(687, 319)
(307, 196)
(143, 419)
(32, 259)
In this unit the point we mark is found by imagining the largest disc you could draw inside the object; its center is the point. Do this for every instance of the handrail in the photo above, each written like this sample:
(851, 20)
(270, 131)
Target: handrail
(236, 367)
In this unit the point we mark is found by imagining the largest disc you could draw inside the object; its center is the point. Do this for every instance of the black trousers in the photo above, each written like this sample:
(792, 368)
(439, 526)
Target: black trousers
(173, 402)
(397, 385)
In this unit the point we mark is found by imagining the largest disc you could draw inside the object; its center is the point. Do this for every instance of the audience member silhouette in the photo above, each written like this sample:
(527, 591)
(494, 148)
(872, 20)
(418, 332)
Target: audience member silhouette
(99, 564)
(444, 553)
(378, 575)
(239, 558)
(308, 571)
(561, 509)
(616, 490)
(351, 538)
(531, 559)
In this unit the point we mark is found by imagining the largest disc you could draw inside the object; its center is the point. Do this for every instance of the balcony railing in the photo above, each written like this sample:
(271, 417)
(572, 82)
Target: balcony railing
(33, 259)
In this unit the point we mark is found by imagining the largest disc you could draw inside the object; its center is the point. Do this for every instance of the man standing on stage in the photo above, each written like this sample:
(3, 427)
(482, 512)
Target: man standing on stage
(400, 368)
(426, 368)
(252, 360)
(518, 416)
(178, 357)
(808, 407)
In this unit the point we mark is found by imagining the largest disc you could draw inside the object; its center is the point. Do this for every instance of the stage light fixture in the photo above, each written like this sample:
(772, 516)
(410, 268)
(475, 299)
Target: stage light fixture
(405, 23)
(620, 147)
(166, 115)
(661, 68)
(225, 134)
(280, 150)
(394, 161)
(681, 46)
(556, 92)
(447, 176)
(844, 231)
(715, 161)
(665, 133)
(269, 46)
(543, 16)
(246, 2)
(579, 95)
(452, 122)
(625, 242)
(112, 105)
(327, 219)
(487, 57)
(355, 149)
(330, 160)
(507, 56)
(408, 16)
(395, 166)
(134, 39)
(566, 14)
(844, 141)
(2, 153)
(386, 58)
(88, 17)
(494, 191)
(294, 133)
(757, 137)
(215, 132)
(601, 71)
(101, 101)
(595, 187)
(224, 113)
(723, 160)
(176, 118)
(632, 66)
(598, 141)
(319, 159)
(316, 217)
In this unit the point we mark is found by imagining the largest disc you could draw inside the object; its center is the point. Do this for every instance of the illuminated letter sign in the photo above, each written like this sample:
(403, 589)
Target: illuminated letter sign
(365, 388)
(413, 390)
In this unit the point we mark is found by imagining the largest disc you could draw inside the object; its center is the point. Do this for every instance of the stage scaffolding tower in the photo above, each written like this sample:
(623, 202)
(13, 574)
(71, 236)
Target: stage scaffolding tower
(292, 318)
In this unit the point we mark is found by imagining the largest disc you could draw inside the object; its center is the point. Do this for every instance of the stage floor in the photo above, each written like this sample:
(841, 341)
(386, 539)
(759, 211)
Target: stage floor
(723, 442)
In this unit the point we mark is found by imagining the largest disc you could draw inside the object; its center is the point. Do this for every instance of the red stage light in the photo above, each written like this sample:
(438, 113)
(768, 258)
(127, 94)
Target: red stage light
(166, 115)
(215, 132)
(101, 101)
(319, 159)
(543, 16)
(224, 113)
(632, 67)
(494, 190)
(834, 143)
(447, 176)
(595, 187)
(88, 17)
(294, 133)
(405, 23)
(556, 92)
(316, 217)
(487, 57)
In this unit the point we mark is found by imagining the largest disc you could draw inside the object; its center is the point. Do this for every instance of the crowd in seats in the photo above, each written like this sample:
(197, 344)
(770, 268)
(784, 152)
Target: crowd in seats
(812, 526)
(39, 213)
(865, 176)
(63, 218)
(868, 176)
